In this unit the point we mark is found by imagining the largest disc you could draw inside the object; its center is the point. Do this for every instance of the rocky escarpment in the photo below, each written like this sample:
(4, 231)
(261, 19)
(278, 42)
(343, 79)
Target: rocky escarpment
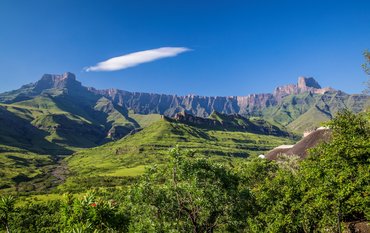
(66, 80)
(301, 105)
(203, 106)
(304, 85)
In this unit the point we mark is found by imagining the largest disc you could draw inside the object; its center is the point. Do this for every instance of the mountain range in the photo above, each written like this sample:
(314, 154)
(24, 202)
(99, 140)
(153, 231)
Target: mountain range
(56, 116)
(296, 106)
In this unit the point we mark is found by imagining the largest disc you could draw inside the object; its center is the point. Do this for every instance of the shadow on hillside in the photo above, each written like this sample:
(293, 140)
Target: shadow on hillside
(18, 132)
(89, 134)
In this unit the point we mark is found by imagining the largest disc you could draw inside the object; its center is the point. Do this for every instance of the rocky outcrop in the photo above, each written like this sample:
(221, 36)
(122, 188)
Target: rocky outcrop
(304, 85)
(301, 148)
(66, 80)
(229, 122)
(186, 118)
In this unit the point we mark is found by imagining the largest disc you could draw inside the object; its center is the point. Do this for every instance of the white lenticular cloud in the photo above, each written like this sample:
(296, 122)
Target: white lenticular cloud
(137, 58)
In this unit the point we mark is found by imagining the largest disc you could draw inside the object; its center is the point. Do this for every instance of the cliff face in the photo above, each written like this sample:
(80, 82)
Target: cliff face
(304, 85)
(203, 106)
(49, 81)
(285, 105)
(169, 105)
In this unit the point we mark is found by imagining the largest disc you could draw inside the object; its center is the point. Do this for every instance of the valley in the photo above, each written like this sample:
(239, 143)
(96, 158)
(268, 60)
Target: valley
(184, 116)
(60, 139)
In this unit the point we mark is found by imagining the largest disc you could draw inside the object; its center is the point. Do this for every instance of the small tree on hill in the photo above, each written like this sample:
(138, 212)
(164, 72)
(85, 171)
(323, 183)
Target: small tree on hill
(6, 209)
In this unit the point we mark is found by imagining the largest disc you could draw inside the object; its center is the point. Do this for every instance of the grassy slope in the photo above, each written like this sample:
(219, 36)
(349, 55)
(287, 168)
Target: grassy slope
(311, 119)
(290, 109)
(306, 111)
(127, 156)
(31, 130)
(72, 128)
(18, 165)
(145, 120)
(44, 116)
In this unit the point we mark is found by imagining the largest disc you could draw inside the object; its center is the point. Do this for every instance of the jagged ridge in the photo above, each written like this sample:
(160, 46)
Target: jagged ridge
(284, 106)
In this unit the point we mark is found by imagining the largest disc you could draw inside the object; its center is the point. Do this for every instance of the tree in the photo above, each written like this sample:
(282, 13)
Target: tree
(366, 67)
(6, 209)
(336, 175)
(189, 195)
(277, 195)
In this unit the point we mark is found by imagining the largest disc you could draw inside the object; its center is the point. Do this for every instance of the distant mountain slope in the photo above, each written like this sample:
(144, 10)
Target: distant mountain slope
(16, 130)
(284, 106)
(69, 115)
(152, 144)
(59, 112)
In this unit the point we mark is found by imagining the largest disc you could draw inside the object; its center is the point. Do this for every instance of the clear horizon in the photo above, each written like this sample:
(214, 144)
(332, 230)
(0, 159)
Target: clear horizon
(177, 47)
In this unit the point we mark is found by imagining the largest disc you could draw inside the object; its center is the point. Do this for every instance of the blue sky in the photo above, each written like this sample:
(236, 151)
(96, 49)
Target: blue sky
(237, 47)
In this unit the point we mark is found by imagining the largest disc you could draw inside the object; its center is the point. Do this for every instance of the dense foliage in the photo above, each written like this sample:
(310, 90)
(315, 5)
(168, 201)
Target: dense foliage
(196, 194)
(189, 195)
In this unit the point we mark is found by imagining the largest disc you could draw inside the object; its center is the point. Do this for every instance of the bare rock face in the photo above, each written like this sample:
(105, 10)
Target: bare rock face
(301, 148)
(190, 119)
(203, 106)
(255, 102)
(304, 85)
(170, 105)
(48, 81)
(282, 91)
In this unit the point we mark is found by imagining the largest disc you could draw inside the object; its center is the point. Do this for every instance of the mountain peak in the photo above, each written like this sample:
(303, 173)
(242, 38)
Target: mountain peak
(69, 75)
(66, 80)
(304, 82)
(59, 77)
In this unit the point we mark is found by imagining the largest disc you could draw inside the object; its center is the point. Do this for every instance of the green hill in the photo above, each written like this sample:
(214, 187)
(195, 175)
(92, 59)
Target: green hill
(305, 111)
(58, 121)
(43, 121)
(18, 166)
(129, 155)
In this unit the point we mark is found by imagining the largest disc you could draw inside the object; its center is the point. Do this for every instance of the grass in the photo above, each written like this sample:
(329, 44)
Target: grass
(311, 119)
(33, 131)
(128, 156)
(17, 166)
(145, 120)
(133, 171)
(61, 122)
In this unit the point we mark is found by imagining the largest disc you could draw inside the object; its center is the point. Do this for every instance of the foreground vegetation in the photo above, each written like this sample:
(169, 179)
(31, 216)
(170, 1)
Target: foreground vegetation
(192, 193)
